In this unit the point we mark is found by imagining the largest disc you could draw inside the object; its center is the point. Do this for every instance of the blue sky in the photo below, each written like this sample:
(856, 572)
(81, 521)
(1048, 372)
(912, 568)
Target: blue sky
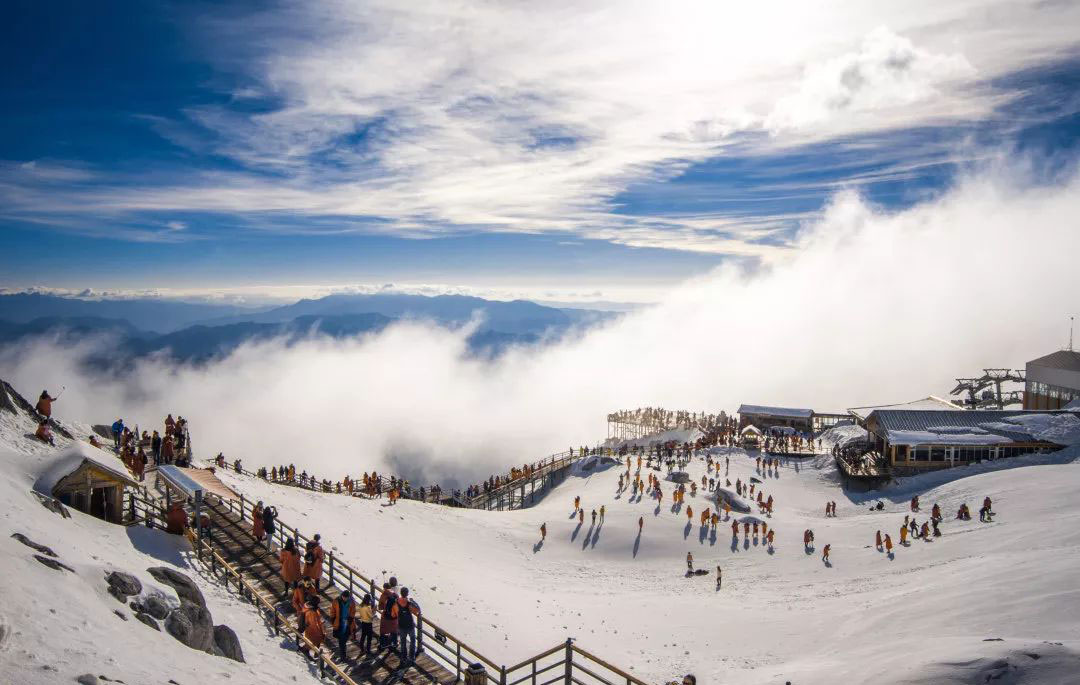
(605, 153)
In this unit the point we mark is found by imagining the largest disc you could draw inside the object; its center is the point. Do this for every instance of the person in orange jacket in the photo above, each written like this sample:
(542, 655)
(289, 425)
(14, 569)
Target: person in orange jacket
(689, 513)
(290, 565)
(313, 625)
(888, 544)
(543, 532)
(734, 529)
(771, 536)
(43, 433)
(175, 519)
(581, 516)
(343, 620)
(44, 404)
(257, 529)
(825, 553)
(640, 524)
(314, 570)
(877, 540)
(303, 591)
(903, 535)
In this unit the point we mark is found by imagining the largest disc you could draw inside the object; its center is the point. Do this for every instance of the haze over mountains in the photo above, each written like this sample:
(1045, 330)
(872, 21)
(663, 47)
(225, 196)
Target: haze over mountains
(198, 332)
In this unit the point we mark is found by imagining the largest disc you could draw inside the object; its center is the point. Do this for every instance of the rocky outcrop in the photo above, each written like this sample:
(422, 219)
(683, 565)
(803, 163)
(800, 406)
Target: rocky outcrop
(226, 641)
(53, 563)
(184, 586)
(125, 583)
(192, 625)
(156, 607)
(148, 620)
(33, 545)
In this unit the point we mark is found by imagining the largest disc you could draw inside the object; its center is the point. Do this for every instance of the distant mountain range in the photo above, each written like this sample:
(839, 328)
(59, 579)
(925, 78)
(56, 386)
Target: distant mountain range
(134, 324)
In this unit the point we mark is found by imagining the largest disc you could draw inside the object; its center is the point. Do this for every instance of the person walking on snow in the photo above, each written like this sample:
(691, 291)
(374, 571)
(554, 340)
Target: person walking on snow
(689, 563)
(903, 535)
(602, 509)
(577, 502)
(543, 532)
(640, 524)
(888, 544)
(581, 516)
(825, 553)
(594, 517)
(877, 540)
(719, 577)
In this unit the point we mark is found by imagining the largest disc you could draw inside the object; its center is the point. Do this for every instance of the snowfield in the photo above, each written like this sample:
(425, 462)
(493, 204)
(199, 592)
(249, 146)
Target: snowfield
(951, 610)
(56, 625)
(987, 600)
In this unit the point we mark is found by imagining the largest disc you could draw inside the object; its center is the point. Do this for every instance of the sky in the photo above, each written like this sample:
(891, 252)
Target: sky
(563, 151)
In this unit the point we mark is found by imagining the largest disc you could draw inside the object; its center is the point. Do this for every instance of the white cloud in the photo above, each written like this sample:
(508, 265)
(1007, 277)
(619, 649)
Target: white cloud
(534, 117)
(873, 307)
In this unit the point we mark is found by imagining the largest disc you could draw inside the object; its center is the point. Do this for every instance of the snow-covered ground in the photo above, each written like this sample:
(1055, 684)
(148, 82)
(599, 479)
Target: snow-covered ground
(985, 600)
(925, 615)
(56, 625)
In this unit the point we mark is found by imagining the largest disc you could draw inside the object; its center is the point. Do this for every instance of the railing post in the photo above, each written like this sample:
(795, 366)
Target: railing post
(502, 675)
(569, 662)
(331, 568)
(457, 665)
(241, 506)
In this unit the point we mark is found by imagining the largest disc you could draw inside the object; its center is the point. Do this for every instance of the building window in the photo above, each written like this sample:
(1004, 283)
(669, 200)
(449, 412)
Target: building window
(937, 453)
(922, 453)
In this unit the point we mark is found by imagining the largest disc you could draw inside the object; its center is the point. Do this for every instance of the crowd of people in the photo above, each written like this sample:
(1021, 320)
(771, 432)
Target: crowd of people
(350, 618)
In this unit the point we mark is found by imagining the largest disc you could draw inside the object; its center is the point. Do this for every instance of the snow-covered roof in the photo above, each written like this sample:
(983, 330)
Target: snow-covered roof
(976, 427)
(71, 458)
(750, 429)
(931, 403)
(788, 412)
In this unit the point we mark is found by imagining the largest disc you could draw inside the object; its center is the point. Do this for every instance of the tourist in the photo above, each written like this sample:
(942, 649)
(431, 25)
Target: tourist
(290, 565)
(365, 615)
(44, 405)
(117, 431)
(269, 518)
(44, 434)
(825, 553)
(407, 609)
(388, 623)
(257, 530)
(343, 620)
(313, 625)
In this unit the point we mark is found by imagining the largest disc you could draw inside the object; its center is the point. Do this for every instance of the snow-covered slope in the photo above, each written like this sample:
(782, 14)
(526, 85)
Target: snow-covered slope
(56, 625)
(927, 614)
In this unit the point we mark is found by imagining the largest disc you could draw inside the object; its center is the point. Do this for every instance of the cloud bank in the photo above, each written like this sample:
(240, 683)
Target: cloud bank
(874, 307)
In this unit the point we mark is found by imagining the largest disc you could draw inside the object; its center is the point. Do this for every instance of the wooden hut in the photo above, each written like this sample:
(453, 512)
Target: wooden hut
(85, 479)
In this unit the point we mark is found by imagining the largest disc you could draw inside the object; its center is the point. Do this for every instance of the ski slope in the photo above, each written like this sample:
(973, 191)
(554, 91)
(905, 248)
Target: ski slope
(969, 604)
(56, 625)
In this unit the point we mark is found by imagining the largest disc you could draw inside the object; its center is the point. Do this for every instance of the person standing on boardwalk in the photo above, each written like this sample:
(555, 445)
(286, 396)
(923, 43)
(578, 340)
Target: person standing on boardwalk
(313, 625)
(315, 570)
(269, 518)
(343, 620)
(257, 530)
(290, 565)
(366, 615)
(407, 611)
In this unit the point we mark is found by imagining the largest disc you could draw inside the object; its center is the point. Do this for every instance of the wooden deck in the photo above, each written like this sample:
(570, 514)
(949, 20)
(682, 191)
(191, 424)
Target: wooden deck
(233, 540)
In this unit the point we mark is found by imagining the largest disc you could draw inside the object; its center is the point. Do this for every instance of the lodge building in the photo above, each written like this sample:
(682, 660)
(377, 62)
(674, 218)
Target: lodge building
(1052, 381)
(921, 440)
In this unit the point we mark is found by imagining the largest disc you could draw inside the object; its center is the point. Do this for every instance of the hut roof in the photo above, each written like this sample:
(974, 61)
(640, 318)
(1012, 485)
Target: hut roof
(72, 458)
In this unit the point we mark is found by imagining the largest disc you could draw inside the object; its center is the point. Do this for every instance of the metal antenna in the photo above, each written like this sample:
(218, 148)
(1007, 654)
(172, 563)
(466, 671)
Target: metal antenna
(1071, 318)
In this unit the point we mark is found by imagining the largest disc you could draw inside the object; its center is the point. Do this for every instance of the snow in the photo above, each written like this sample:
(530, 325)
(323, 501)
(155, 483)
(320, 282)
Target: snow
(841, 435)
(57, 625)
(781, 615)
(1062, 429)
(72, 457)
(924, 615)
(676, 435)
(951, 435)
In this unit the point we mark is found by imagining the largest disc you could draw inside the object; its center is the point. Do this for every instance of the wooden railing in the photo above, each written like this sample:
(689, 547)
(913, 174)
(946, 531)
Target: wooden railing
(565, 662)
(151, 510)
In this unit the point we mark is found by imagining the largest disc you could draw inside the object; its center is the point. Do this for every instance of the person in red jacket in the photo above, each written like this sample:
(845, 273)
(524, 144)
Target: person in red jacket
(303, 591)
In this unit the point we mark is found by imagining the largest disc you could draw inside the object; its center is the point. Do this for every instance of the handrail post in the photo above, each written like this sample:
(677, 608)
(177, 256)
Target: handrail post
(502, 675)
(569, 662)
(331, 568)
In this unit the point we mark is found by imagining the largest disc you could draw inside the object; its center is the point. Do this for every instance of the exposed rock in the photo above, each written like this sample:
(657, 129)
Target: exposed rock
(148, 620)
(121, 614)
(192, 625)
(226, 641)
(53, 563)
(102, 430)
(88, 679)
(30, 543)
(53, 505)
(12, 401)
(125, 583)
(119, 596)
(184, 586)
(156, 607)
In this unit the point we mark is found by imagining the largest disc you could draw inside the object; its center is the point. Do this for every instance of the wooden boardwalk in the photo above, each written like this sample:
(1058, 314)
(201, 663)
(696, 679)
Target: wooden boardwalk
(234, 541)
